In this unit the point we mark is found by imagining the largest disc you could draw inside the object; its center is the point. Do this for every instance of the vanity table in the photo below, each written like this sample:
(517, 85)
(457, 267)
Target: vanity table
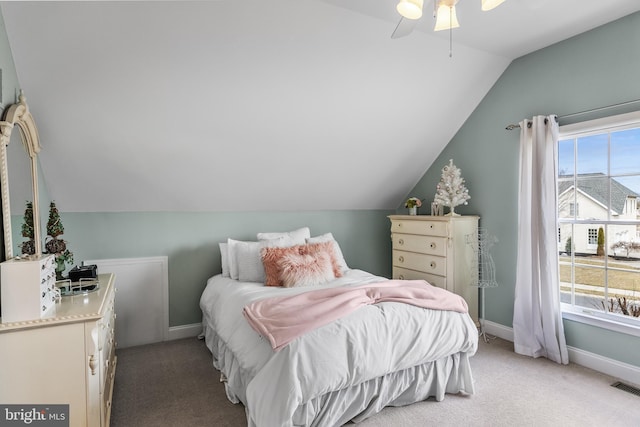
(67, 357)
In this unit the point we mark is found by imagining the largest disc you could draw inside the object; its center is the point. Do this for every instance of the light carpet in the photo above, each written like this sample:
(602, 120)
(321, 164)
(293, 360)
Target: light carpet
(174, 384)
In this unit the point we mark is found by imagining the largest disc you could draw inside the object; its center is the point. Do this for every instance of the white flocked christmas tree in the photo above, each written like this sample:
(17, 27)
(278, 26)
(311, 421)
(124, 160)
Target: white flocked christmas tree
(451, 190)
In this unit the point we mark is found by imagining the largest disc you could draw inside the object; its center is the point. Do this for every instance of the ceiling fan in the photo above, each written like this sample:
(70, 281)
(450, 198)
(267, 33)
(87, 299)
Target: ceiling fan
(444, 11)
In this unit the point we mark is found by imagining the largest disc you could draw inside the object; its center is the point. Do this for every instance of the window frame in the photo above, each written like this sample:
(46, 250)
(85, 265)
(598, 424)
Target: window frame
(617, 322)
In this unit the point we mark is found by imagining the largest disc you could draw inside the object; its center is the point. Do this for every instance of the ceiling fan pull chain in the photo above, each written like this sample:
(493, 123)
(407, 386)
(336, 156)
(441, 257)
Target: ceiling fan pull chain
(450, 31)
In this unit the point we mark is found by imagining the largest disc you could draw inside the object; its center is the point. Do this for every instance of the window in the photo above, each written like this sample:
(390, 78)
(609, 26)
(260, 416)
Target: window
(599, 248)
(573, 209)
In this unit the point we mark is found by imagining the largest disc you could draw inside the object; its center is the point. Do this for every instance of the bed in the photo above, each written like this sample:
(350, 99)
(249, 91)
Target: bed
(383, 354)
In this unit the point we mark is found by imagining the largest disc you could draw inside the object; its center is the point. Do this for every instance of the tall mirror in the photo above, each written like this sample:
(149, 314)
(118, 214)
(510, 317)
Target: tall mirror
(20, 194)
(17, 120)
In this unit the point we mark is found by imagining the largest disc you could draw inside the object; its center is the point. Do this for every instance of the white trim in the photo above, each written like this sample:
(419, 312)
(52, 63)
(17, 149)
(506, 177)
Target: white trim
(598, 125)
(184, 331)
(498, 330)
(615, 368)
(623, 371)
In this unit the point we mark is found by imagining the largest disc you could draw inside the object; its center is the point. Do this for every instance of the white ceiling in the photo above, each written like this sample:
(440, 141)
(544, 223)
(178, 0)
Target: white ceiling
(260, 105)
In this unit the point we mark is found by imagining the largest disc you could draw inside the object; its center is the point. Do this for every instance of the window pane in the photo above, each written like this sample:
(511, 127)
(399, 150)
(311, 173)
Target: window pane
(566, 199)
(589, 283)
(585, 240)
(591, 200)
(565, 244)
(593, 153)
(622, 242)
(625, 152)
(629, 187)
(565, 158)
(623, 279)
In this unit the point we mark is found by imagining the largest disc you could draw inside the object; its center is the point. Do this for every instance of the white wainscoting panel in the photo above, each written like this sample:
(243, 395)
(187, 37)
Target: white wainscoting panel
(142, 298)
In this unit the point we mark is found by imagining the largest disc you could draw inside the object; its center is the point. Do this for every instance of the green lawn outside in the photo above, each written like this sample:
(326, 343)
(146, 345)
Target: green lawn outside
(590, 271)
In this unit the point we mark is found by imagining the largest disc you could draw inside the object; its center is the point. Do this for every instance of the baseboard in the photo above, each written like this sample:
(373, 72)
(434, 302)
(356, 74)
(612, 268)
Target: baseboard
(498, 330)
(184, 331)
(623, 371)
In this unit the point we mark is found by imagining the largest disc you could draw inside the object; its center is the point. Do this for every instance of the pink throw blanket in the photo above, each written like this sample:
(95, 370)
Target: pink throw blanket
(282, 319)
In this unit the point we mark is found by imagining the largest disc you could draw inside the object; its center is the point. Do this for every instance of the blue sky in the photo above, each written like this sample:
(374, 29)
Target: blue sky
(592, 156)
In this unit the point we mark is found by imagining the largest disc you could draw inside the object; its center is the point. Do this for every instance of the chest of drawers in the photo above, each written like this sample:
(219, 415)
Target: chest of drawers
(66, 358)
(440, 250)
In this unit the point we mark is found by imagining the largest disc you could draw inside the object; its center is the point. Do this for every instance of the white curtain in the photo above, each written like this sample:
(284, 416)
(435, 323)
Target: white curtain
(537, 318)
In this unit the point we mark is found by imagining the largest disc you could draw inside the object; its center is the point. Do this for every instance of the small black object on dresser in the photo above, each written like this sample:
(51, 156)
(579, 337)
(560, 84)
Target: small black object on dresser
(83, 272)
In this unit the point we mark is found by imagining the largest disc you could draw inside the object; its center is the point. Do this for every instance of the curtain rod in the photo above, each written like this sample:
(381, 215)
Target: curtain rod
(622, 104)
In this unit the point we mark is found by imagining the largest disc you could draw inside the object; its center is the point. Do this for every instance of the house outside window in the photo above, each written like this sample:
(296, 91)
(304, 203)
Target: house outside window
(599, 225)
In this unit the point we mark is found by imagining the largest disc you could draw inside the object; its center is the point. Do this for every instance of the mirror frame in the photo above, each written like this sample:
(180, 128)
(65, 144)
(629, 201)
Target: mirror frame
(18, 115)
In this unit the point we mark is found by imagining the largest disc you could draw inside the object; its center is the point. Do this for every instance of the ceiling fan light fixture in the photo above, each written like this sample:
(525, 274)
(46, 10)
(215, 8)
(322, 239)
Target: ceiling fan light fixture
(446, 17)
(490, 4)
(410, 9)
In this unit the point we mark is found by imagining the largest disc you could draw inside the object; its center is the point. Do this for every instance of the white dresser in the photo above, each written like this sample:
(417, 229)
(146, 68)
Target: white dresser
(65, 358)
(440, 250)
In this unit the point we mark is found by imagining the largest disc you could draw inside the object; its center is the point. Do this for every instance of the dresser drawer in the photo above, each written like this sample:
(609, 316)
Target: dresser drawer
(423, 244)
(420, 262)
(107, 393)
(406, 274)
(425, 228)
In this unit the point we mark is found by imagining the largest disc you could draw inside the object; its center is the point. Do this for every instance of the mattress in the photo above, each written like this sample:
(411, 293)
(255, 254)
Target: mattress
(385, 354)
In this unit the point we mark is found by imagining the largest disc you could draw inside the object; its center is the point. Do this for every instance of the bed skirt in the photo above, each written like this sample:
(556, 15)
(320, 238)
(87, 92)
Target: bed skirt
(450, 374)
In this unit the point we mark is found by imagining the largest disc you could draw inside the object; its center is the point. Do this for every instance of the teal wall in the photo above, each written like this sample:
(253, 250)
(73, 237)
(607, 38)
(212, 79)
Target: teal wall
(190, 240)
(594, 69)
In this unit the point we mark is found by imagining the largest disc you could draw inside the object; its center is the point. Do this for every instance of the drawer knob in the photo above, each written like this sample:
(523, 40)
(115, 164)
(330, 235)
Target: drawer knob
(430, 226)
(401, 242)
(401, 277)
(92, 364)
(401, 258)
(432, 264)
(432, 245)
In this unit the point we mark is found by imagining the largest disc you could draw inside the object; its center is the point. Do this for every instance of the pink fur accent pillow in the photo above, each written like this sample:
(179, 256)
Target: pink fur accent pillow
(305, 269)
(272, 256)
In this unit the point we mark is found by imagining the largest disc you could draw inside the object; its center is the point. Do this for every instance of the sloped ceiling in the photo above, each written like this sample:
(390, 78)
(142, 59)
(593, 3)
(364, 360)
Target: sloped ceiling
(260, 105)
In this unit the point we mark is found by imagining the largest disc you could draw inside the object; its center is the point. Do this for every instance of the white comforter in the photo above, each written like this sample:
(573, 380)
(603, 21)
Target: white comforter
(373, 341)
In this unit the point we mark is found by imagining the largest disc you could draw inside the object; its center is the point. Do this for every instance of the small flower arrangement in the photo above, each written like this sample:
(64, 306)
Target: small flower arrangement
(413, 202)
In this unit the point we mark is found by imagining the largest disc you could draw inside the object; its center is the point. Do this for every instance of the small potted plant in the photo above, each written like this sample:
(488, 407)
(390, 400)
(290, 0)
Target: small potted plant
(28, 247)
(413, 203)
(55, 245)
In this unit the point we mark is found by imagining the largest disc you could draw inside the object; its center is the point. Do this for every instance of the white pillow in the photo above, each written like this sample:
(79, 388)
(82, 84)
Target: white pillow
(342, 264)
(245, 263)
(224, 259)
(298, 235)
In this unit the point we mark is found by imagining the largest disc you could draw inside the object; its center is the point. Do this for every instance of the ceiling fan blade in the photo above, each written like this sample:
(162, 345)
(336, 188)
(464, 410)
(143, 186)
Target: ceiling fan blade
(404, 28)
